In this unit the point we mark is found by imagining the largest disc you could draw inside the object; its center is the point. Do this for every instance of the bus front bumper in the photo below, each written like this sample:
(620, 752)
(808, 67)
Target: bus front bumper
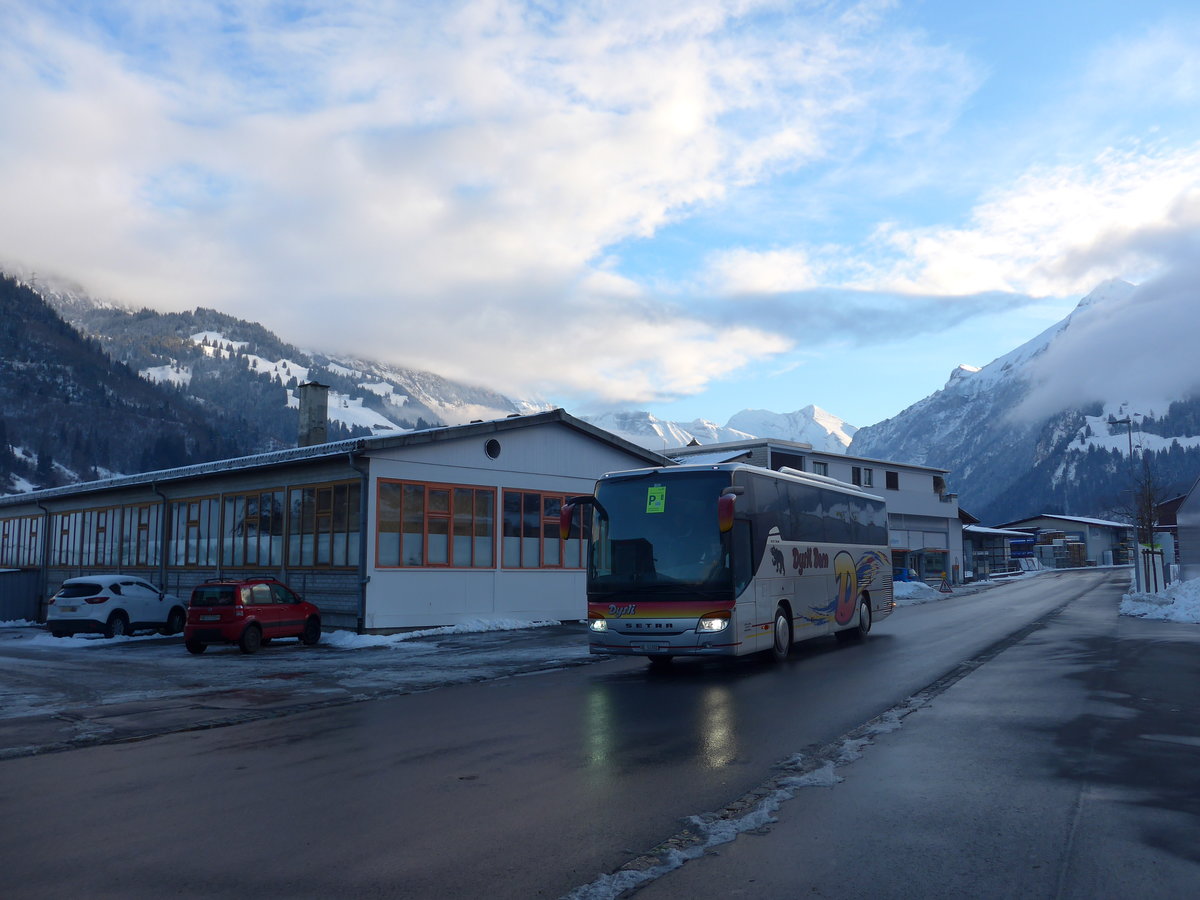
(688, 643)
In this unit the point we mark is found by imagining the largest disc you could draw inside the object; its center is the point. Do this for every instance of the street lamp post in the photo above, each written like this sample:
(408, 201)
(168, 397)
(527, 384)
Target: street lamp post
(1137, 569)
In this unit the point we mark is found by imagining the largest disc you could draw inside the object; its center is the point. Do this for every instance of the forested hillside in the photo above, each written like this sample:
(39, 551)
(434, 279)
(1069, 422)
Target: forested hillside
(68, 411)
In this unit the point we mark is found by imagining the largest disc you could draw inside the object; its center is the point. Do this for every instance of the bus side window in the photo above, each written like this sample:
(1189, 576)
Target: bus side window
(838, 529)
(806, 513)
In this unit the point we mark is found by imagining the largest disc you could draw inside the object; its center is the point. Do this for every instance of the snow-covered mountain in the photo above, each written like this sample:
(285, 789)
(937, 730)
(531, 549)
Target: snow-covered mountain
(1021, 437)
(810, 425)
(647, 430)
(222, 360)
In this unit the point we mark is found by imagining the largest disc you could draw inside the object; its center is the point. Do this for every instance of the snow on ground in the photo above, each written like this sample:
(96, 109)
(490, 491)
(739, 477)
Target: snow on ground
(1179, 602)
(338, 640)
(77, 641)
(346, 640)
(169, 374)
(350, 412)
(911, 593)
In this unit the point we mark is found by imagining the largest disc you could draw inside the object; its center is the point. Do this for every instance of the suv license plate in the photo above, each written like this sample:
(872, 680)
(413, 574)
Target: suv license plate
(210, 618)
(69, 608)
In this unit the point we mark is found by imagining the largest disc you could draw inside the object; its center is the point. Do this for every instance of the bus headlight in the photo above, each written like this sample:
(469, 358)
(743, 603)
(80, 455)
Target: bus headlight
(710, 624)
(598, 624)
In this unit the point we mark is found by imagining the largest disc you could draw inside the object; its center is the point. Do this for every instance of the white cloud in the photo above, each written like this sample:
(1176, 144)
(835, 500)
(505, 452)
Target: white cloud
(742, 271)
(437, 185)
(1056, 231)
(1140, 351)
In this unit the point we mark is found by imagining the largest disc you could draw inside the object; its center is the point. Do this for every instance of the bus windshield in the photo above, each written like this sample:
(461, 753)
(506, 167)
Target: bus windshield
(655, 532)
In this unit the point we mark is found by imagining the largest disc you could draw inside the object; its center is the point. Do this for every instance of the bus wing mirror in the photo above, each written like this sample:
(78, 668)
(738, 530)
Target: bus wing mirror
(567, 513)
(725, 504)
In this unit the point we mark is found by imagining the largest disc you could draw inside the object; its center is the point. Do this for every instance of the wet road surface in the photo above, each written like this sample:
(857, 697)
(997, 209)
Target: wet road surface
(533, 786)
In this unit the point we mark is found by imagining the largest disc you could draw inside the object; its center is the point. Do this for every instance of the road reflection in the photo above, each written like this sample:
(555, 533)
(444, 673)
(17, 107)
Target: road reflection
(641, 719)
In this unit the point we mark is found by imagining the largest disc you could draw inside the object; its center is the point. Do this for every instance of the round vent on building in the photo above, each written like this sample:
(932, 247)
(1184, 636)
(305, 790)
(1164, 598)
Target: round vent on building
(492, 448)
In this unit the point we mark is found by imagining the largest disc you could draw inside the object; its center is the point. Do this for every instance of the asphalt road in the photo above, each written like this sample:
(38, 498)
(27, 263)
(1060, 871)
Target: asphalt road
(1064, 766)
(535, 786)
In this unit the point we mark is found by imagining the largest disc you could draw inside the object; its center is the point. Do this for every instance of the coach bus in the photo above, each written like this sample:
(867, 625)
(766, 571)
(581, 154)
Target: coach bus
(731, 559)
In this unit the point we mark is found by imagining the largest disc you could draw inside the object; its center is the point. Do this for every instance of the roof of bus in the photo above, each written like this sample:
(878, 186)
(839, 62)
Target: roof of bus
(791, 475)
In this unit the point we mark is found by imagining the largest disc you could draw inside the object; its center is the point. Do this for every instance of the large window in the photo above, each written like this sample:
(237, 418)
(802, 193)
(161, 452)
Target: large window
(253, 529)
(324, 525)
(194, 531)
(531, 537)
(21, 541)
(435, 525)
(101, 538)
(65, 531)
(140, 530)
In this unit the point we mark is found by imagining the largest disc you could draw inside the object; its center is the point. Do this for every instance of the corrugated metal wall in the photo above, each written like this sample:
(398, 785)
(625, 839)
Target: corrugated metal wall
(19, 595)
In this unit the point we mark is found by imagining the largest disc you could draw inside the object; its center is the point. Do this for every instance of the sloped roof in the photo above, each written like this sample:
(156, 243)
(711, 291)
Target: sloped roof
(336, 449)
(746, 446)
(1082, 520)
(711, 459)
(996, 532)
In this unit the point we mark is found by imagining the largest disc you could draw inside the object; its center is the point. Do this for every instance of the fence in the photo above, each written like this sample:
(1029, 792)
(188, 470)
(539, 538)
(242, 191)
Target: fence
(19, 595)
(1154, 576)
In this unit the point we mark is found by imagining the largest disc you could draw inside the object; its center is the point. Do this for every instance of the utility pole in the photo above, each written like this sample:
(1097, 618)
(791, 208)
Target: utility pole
(1137, 547)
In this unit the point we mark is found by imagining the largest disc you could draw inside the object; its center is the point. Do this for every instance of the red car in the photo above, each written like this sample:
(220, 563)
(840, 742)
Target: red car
(248, 612)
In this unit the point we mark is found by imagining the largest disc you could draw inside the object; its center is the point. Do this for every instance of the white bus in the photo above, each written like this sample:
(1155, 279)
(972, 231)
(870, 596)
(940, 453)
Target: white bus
(730, 559)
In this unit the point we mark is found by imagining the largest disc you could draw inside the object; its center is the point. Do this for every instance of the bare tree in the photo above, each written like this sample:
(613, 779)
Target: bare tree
(1139, 503)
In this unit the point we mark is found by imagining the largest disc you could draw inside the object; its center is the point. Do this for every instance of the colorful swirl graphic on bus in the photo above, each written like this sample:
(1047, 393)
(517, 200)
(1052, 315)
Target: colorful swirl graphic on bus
(851, 579)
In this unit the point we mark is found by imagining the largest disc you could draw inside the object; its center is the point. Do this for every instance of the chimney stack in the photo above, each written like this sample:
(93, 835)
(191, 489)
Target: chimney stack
(314, 414)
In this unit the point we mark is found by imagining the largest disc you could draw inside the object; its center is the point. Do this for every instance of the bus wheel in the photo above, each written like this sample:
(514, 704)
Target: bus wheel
(863, 628)
(781, 644)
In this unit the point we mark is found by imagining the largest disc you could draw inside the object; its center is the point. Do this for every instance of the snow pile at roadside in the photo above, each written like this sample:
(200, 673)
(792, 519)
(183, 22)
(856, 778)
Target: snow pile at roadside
(348, 640)
(1179, 602)
(86, 639)
(19, 623)
(910, 593)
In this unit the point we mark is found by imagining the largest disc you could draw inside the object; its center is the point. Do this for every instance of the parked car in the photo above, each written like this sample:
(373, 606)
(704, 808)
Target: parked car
(112, 605)
(249, 612)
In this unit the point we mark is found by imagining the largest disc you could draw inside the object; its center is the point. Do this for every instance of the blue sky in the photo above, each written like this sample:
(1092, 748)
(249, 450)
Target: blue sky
(687, 207)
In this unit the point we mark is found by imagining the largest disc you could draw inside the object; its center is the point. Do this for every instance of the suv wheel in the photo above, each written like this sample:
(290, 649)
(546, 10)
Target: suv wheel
(117, 625)
(175, 622)
(251, 639)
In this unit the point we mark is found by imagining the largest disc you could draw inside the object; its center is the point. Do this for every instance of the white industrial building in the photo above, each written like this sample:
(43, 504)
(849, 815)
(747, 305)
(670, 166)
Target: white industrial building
(429, 528)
